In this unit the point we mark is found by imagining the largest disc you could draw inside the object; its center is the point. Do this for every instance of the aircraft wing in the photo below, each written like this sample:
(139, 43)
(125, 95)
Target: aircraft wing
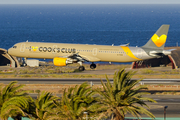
(78, 57)
(90, 58)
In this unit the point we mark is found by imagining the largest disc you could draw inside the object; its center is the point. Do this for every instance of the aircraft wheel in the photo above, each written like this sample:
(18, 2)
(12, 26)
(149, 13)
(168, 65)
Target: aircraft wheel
(24, 64)
(81, 68)
(93, 66)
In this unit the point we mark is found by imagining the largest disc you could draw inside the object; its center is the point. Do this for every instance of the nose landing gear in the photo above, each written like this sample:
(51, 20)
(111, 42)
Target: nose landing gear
(81, 68)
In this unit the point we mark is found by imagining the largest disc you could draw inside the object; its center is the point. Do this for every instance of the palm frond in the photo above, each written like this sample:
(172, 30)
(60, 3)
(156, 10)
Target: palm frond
(122, 96)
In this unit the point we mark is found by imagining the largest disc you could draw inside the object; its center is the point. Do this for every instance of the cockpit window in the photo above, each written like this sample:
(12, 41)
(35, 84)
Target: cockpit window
(14, 46)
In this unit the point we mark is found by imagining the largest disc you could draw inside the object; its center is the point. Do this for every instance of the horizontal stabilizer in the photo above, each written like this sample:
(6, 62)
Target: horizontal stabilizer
(171, 50)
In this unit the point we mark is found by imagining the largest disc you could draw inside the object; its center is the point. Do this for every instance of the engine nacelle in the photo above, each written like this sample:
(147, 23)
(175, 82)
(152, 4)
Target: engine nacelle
(60, 61)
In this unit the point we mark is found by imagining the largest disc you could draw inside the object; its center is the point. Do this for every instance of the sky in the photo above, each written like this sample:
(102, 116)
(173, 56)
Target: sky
(89, 1)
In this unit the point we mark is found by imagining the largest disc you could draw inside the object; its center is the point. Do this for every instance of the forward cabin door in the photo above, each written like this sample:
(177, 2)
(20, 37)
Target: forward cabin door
(22, 49)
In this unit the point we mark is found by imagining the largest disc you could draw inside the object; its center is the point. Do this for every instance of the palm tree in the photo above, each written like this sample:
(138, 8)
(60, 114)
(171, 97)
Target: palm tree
(122, 97)
(13, 101)
(75, 102)
(43, 107)
(15, 107)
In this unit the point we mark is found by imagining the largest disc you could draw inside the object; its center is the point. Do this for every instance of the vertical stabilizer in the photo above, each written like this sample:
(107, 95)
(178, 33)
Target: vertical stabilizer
(158, 40)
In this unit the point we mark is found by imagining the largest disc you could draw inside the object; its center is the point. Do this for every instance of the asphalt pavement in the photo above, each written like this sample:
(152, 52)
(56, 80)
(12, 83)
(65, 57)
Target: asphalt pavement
(81, 80)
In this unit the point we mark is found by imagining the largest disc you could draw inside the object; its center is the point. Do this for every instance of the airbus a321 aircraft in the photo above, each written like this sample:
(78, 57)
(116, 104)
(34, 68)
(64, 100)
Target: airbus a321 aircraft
(64, 54)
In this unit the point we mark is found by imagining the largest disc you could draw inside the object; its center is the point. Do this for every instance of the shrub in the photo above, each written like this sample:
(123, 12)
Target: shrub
(31, 91)
(37, 91)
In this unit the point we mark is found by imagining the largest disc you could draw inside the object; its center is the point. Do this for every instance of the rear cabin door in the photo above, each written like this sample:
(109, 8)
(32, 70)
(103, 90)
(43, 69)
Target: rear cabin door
(139, 53)
(94, 51)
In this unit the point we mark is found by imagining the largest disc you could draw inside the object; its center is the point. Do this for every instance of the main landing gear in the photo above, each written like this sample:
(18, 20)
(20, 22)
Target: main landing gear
(93, 66)
(82, 68)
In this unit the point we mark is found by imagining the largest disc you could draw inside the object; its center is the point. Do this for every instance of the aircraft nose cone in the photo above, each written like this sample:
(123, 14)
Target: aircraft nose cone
(10, 51)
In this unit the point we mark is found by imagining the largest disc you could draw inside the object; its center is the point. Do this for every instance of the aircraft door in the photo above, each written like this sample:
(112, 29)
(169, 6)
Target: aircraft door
(94, 51)
(54, 49)
(139, 53)
(22, 49)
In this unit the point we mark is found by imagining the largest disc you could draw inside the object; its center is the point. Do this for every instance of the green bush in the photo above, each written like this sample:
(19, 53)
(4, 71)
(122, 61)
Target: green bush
(37, 91)
(31, 91)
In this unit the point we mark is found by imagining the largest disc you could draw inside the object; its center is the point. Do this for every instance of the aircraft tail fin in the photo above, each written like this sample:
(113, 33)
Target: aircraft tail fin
(158, 40)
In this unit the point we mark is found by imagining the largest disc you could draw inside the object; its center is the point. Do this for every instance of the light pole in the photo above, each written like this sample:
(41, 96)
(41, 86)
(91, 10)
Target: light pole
(86, 115)
(91, 85)
(165, 112)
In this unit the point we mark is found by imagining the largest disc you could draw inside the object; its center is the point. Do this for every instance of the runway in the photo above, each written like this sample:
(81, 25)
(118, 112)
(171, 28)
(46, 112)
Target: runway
(81, 80)
(50, 80)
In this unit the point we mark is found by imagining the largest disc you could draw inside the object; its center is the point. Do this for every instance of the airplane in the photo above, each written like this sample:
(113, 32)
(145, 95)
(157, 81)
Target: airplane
(64, 54)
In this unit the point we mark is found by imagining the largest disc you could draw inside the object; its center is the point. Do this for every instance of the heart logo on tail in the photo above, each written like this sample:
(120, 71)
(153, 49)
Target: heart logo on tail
(159, 41)
(34, 48)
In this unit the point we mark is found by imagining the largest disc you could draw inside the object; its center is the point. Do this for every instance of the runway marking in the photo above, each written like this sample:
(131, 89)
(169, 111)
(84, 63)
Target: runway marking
(155, 106)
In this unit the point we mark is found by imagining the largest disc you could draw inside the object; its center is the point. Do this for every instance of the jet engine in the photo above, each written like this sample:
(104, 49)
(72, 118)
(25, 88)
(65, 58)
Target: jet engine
(60, 61)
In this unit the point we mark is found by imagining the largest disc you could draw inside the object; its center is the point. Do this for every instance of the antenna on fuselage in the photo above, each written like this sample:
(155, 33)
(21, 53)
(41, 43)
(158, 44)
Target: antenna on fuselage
(125, 44)
(27, 41)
